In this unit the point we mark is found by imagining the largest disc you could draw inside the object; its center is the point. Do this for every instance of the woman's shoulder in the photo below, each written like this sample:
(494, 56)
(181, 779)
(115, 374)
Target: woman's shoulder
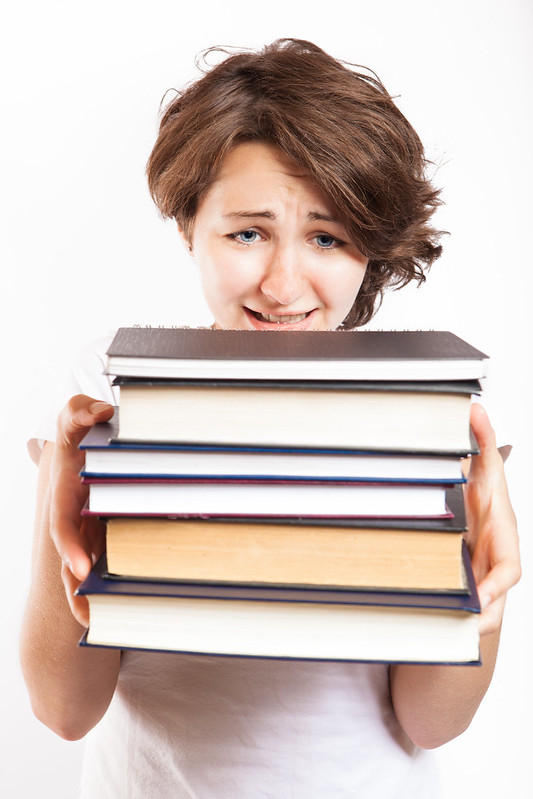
(86, 375)
(88, 370)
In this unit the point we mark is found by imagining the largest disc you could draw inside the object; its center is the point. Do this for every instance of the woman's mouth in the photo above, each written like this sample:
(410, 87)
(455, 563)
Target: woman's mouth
(259, 320)
(280, 320)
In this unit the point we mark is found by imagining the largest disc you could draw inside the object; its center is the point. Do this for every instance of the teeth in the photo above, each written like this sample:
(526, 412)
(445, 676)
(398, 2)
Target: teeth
(280, 319)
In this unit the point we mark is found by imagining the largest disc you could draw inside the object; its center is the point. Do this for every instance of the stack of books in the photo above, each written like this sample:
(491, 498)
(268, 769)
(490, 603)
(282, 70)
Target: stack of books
(293, 495)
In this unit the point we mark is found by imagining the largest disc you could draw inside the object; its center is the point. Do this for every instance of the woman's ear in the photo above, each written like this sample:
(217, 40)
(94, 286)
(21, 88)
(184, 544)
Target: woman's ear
(187, 243)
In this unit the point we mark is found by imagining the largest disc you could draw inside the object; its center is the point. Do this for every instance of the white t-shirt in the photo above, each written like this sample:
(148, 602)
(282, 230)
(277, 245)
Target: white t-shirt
(208, 727)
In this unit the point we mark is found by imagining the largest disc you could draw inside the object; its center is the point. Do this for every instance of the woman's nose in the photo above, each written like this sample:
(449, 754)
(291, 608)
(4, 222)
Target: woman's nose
(284, 281)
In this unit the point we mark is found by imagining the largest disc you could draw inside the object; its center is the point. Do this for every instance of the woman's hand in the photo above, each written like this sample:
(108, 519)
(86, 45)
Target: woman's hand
(492, 535)
(436, 703)
(79, 540)
(70, 686)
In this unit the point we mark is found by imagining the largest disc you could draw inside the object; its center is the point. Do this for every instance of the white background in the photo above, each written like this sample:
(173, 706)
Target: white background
(84, 252)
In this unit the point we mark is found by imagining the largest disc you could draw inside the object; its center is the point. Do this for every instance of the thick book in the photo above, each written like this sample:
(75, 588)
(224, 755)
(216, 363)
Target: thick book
(120, 497)
(321, 355)
(270, 622)
(250, 552)
(107, 457)
(340, 415)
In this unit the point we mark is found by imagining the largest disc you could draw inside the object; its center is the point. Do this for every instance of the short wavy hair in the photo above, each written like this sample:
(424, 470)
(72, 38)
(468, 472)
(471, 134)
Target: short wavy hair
(338, 124)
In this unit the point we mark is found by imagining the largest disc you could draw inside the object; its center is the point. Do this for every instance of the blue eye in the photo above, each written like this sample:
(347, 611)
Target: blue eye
(326, 242)
(245, 236)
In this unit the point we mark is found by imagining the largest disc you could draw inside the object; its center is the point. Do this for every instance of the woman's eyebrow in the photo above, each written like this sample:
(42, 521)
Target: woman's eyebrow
(250, 214)
(312, 215)
(317, 216)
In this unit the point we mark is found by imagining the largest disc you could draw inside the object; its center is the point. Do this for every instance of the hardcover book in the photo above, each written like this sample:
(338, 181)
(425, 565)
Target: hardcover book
(322, 355)
(250, 552)
(320, 415)
(283, 623)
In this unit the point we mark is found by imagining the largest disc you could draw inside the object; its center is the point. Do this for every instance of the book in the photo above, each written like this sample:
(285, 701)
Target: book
(145, 497)
(271, 622)
(324, 355)
(409, 418)
(249, 552)
(107, 457)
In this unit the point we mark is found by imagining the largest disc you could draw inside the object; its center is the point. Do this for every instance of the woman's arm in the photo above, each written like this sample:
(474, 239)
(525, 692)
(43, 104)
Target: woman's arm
(436, 703)
(70, 687)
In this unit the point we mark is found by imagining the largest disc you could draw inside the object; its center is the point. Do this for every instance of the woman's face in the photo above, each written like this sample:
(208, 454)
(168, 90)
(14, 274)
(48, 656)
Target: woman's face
(271, 253)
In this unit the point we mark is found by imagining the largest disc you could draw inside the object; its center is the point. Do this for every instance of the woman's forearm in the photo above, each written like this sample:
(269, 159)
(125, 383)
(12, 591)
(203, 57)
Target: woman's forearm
(435, 704)
(70, 687)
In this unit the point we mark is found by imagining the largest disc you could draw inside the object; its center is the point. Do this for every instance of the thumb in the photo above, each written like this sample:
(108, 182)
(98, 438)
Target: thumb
(483, 430)
(78, 416)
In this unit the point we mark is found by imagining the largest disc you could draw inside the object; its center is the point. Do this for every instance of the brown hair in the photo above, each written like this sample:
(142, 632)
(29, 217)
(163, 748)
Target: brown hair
(338, 124)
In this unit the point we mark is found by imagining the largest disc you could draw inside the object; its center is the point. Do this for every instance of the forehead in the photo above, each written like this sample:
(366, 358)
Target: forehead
(260, 172)
(258, 155)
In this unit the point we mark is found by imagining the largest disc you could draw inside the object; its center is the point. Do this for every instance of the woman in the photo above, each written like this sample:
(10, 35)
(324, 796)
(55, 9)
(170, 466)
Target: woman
(299, 189)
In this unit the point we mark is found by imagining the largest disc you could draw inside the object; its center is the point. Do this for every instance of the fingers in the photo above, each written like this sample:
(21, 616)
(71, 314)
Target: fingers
(483, 430)
(493, 593)
(78, 415)
(72, 574)
(491, 617)
(499, 580)
(79, 605)
(493, 588)
(68, 495)
(68, 499)
(492, 535)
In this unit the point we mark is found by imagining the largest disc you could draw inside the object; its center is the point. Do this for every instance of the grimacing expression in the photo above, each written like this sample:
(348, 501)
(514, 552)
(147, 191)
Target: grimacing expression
(271, 251)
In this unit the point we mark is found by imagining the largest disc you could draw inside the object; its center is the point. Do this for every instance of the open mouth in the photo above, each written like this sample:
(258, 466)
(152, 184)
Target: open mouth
(280, 320)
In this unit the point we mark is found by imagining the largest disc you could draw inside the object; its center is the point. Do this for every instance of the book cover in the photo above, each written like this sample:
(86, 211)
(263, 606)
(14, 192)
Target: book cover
(373, 355)
(389, 386)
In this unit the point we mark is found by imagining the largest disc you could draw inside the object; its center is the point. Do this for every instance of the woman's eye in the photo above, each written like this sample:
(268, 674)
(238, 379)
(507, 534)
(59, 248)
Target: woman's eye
(326, 242)
(245, 236)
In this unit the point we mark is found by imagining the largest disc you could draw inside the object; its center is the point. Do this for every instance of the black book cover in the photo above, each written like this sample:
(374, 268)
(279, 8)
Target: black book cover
(200, 343)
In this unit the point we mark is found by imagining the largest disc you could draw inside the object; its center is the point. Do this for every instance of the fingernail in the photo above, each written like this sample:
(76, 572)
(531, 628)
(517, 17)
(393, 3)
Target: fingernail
(98, 407)
(70, 567)
(485, 601)
(72, 570)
